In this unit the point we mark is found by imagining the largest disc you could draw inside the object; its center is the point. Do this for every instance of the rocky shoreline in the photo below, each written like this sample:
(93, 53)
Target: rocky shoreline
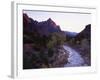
(84, 52)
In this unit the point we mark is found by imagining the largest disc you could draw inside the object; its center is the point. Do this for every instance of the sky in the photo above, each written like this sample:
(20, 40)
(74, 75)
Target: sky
(73, 22)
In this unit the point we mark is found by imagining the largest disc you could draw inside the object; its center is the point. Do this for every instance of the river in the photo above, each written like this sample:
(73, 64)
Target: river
(74, 59)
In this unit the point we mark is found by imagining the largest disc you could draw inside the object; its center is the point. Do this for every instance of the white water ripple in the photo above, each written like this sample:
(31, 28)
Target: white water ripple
(74, 59)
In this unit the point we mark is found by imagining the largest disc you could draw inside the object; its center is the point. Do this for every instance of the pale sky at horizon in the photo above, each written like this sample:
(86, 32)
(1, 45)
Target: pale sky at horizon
(74, 22)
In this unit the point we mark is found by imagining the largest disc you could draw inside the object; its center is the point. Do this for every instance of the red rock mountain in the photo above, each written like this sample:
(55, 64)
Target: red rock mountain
(42, 28)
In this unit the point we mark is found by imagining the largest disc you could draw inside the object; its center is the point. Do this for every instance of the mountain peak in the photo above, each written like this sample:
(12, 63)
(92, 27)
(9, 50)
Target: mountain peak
(43, 28)
(88, 26)
(26, 18)
(49, 19)
(86, 33)
(51, 22)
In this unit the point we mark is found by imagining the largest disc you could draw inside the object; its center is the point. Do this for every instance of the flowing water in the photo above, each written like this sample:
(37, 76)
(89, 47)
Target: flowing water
(74, 59)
